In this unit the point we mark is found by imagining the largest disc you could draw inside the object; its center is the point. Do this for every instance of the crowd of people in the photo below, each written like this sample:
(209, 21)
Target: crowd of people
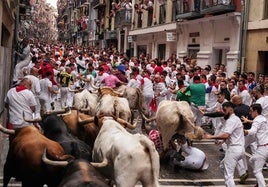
(51, 70)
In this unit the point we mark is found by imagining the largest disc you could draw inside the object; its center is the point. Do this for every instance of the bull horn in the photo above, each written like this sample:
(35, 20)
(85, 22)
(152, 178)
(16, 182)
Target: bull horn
(127, 124)
(75, 90)
(93, 86)
(52, 162)
(62, 111)
(84, 121)
(66, 113)
(108, 90)
(6, 131)
(148, 119)
(100, 164)
(36, 120)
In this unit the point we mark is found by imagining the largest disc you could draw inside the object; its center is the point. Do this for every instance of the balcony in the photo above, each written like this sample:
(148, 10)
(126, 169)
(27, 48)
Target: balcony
(97, 4)
(110, 35)
(123, 17)
(218, 7)
(91, 25)
(188, 9)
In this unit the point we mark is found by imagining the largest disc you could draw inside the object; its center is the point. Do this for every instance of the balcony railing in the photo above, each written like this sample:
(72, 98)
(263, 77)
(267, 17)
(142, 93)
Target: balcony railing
(188, 9)
(97, 3)
(91, 25)
(123, 17)
(217, 6)
(110, 35)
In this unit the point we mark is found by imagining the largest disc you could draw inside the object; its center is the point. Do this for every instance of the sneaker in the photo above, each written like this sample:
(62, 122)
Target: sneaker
(243, 178)
(264, 167)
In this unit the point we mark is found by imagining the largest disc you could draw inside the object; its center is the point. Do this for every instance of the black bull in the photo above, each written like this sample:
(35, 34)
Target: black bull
(55, 129)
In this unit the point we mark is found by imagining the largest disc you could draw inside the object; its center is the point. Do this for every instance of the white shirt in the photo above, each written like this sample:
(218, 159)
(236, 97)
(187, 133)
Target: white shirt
(20, 102)
(211, 98)
(260, 129)
(147, 87)
(36, 89)
(133, 83)
(246, 98)
(263, 101)
(88, 84)
(45, 94)
(195, 158)
(234, 127)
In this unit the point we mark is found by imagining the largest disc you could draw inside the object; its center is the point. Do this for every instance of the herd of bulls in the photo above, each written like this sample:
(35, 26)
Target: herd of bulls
(89, 149)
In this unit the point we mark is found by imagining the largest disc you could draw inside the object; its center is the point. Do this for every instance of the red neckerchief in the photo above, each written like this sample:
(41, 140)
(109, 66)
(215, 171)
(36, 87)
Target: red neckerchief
(242, 89)
(197, 81)
(101, 73)
(20, 88)
(216, 85)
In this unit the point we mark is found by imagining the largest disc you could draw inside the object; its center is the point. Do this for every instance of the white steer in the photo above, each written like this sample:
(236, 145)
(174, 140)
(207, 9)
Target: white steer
(125, 158)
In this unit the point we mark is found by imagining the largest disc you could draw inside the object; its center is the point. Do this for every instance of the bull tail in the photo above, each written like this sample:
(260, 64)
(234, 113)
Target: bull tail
(154, 157)
(102, 164)
(140, 99)
(116, 110)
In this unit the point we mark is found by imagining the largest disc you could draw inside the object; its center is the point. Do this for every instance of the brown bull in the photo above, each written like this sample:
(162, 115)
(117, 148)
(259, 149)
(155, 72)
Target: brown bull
(24, 159)
(86, 131)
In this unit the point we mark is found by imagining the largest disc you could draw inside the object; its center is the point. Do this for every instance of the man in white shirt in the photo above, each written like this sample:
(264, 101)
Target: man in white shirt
(243, 92)
(233, 136)
(257, 93)
(36, 90)
(18, 100)
(46, 91)
(259, 128)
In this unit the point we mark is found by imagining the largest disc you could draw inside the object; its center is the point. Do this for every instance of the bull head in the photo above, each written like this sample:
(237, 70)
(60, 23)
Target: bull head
(75, 90)
(52, 162)
(93, 86)
(62, 111)
(6, 131)
(110, 91)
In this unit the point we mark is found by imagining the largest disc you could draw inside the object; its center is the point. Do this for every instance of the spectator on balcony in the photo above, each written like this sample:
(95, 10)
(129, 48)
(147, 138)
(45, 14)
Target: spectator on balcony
(127, 5)
(148, 5)
(115, 7)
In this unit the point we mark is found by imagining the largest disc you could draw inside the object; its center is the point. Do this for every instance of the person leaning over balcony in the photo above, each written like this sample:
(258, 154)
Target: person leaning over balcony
(24, 60)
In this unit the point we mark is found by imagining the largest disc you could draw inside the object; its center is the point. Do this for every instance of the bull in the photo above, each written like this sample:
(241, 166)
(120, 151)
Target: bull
(55, 129)
(176, 117)
(24, 158)
(87, 100)
(79, 172)
(82, 126)
(112, 105)
(124, 157)
(135, 99)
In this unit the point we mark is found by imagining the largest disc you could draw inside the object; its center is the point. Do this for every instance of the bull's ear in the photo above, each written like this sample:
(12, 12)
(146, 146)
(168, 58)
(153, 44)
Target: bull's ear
(96, 120)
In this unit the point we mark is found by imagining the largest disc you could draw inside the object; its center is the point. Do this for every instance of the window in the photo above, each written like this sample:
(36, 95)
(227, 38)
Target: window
(265, 15)
(176, 8)
(162, 18)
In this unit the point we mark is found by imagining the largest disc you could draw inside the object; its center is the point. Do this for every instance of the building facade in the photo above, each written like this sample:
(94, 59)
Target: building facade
(208, 31)
(256, 51)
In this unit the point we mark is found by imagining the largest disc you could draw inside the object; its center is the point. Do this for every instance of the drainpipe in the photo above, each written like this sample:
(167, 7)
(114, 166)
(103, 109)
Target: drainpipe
(243, 34)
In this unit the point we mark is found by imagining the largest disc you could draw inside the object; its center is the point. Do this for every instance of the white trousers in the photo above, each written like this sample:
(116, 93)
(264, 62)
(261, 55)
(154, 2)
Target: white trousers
(232, 156)
(257, 161)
